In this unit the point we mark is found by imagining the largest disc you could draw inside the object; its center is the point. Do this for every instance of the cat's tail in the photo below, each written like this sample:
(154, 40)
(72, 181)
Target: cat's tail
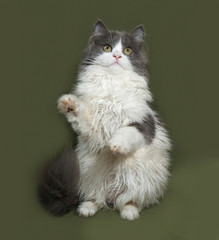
(58, 189)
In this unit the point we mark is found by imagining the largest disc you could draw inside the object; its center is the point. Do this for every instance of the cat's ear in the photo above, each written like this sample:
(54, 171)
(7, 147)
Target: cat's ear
(100, 28)
(138, 34)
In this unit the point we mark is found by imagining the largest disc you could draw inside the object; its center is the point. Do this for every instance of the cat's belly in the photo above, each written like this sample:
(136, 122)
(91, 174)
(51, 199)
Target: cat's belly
(101, 178)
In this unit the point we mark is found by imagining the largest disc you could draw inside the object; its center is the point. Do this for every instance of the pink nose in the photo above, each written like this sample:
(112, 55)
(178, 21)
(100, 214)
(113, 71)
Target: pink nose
(117, 56)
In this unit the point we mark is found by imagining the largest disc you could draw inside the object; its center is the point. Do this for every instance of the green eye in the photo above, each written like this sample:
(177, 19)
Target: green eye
(128, 51)
(107, 48)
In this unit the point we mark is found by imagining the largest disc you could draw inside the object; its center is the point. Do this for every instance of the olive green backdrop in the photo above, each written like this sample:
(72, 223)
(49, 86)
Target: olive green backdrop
(41, 43)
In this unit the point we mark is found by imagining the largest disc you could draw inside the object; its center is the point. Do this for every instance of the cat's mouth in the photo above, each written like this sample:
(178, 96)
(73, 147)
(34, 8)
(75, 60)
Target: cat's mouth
(116, 63)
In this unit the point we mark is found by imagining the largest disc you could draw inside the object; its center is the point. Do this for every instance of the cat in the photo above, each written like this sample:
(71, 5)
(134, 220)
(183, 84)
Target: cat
(122, 157)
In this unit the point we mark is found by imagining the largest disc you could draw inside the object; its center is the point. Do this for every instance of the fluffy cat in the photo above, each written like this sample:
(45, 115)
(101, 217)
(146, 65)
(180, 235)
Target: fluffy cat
(121, 160)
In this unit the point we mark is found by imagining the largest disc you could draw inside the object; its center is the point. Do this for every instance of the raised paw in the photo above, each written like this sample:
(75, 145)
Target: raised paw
(87, 209)
(119, 145)
(68, 104)
(119, 149)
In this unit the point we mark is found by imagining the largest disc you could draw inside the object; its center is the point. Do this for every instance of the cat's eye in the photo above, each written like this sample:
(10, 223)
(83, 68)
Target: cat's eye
(107, 48)
(128, 51)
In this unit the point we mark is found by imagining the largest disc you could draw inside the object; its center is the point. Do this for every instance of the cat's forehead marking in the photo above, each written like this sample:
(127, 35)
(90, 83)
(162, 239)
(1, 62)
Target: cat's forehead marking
(118, 46)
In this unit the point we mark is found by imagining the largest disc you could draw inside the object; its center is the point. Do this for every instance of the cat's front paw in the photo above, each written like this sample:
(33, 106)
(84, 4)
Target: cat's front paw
(118, 146)
(68, 103)
(118, 149)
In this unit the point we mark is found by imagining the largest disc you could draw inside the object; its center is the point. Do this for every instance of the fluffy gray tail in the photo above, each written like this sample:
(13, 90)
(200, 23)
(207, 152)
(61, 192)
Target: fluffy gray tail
(58, 190)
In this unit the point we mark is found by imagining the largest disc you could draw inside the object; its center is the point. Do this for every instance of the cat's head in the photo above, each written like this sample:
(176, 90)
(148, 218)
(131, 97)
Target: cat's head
(116, 51)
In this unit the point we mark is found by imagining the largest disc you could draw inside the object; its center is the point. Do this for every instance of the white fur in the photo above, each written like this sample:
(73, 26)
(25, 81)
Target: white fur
(87, 208)
(116, 163)
(129, 212)
(126, 140)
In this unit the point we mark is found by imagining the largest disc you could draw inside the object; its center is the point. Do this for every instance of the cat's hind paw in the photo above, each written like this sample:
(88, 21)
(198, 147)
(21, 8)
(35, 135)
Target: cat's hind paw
(129, 212)
(87, 209)
(68, 103)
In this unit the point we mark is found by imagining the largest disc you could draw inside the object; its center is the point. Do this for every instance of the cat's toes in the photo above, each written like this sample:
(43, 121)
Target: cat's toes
(129, 212)
(87, 209)
(119, 145)
(116, 148)
(68, 103)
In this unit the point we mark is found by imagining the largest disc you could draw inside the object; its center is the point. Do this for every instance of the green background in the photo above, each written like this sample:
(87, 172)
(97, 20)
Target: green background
(41, 43)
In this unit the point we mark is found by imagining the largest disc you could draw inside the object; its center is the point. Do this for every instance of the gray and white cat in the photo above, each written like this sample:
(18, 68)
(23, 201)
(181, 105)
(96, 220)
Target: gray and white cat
(122, 149)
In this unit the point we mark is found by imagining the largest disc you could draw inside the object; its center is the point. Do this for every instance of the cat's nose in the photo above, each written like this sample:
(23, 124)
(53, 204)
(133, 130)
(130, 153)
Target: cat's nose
(117, 56)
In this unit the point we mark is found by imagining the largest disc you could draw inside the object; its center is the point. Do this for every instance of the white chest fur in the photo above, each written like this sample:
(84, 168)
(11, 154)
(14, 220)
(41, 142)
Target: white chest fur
(114, 100)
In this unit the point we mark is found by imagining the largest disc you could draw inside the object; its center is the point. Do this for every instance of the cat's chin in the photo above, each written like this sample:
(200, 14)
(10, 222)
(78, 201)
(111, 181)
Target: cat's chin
(116, 67)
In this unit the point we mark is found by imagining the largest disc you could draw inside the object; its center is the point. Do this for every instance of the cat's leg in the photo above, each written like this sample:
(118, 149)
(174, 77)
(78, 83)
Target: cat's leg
(75, 111)
(87, 209)
(130, 211)
(126, 140)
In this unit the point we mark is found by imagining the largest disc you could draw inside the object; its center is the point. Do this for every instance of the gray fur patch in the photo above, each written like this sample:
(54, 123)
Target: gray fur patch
(147, 128)
(137, 57)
